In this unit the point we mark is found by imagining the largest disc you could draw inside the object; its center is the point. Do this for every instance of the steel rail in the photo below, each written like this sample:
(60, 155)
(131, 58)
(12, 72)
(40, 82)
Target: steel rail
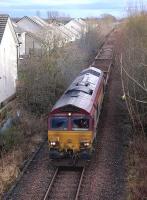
(53, 179)
(50, 185)
(80, 182)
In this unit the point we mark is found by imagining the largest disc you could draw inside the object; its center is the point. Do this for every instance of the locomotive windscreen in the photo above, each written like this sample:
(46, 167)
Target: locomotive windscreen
(59, 123)
(80, 123)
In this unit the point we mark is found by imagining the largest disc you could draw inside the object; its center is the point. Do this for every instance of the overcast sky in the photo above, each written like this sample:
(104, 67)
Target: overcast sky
(74, 8)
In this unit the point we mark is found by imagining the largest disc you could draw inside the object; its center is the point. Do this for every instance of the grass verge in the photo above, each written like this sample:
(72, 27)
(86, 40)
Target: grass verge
(137, 169)
(17, 145)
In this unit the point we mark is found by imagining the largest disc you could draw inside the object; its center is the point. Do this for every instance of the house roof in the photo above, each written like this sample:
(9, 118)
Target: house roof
(60, 31)
(77, 26)
(39, 21)
(36, 20)
(3, 22)
(17, 29)
(67, 31)
(74, 27)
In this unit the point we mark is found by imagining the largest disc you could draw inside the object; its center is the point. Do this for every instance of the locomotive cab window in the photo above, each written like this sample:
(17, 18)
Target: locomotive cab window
(80, 123)
(59, 123)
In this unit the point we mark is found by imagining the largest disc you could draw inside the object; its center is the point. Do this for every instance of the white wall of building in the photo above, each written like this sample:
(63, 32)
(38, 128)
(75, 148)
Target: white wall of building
(32, 44)
(22, 41)
(27, 43)
(8, 63)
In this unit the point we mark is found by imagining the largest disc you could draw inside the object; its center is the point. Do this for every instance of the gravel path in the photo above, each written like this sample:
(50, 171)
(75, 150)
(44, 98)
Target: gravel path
(105, 174)
(65, 184)
(34, 183)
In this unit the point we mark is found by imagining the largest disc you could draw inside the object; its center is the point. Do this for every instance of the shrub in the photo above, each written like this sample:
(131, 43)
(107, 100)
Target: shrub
(10, 138)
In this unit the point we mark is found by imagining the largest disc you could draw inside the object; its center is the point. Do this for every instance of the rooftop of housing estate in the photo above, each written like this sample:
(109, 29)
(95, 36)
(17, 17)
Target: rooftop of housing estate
(3, 22)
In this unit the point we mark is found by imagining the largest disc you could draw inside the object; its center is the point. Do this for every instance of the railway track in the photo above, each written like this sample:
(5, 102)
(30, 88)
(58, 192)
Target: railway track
(62, 177)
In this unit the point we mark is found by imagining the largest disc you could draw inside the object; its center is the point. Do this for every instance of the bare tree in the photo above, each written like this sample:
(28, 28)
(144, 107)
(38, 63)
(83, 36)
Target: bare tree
(53, 15)
(133, 62)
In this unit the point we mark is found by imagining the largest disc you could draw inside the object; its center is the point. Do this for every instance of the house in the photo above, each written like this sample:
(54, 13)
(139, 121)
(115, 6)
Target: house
(69, 33)
(32, 24)
(83, 25)
(63, 36)
(40, 21)
(36, 34)
(8, 58)
(77, 26)
(29, 42)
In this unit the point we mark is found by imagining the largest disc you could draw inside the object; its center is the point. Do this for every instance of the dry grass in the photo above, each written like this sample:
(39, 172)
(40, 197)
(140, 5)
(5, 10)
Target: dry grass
(137, 169)
(9, 168)
(32, 131)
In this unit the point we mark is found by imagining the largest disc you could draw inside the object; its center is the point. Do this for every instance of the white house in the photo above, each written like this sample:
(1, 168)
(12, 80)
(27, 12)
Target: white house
(34, 32)
(28, 42)
(31, 24)
(61, 34)
(69, 33)
(8, 58)
(77, 26)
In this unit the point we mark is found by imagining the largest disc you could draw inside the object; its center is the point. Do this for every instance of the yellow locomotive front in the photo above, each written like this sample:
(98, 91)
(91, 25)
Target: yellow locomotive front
(70, 135)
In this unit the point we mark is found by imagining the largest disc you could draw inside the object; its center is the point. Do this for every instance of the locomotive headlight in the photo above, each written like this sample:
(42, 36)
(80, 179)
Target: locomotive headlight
(69, 114)
(86, 144)
(53, 143)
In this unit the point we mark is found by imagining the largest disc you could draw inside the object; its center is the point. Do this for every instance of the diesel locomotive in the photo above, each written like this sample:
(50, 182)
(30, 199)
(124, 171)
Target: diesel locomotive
(73, 120)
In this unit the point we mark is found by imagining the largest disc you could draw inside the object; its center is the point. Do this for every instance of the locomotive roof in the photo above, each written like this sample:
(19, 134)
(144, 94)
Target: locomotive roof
(81, 93)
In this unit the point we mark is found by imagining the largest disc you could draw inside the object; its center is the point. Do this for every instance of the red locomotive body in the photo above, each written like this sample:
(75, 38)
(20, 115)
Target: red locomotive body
(73, 120)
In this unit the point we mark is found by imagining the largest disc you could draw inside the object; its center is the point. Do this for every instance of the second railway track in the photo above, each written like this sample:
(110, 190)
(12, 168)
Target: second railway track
(65, 184)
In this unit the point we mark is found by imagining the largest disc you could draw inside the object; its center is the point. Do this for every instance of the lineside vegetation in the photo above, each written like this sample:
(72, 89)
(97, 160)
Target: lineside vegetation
(132, 48)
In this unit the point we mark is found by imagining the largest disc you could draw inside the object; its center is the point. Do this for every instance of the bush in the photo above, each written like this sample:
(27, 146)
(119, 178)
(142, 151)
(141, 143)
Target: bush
(10, 138)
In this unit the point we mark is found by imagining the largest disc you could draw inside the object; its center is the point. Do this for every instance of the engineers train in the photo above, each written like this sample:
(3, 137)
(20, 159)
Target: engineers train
(72, 123)
(73, 120)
